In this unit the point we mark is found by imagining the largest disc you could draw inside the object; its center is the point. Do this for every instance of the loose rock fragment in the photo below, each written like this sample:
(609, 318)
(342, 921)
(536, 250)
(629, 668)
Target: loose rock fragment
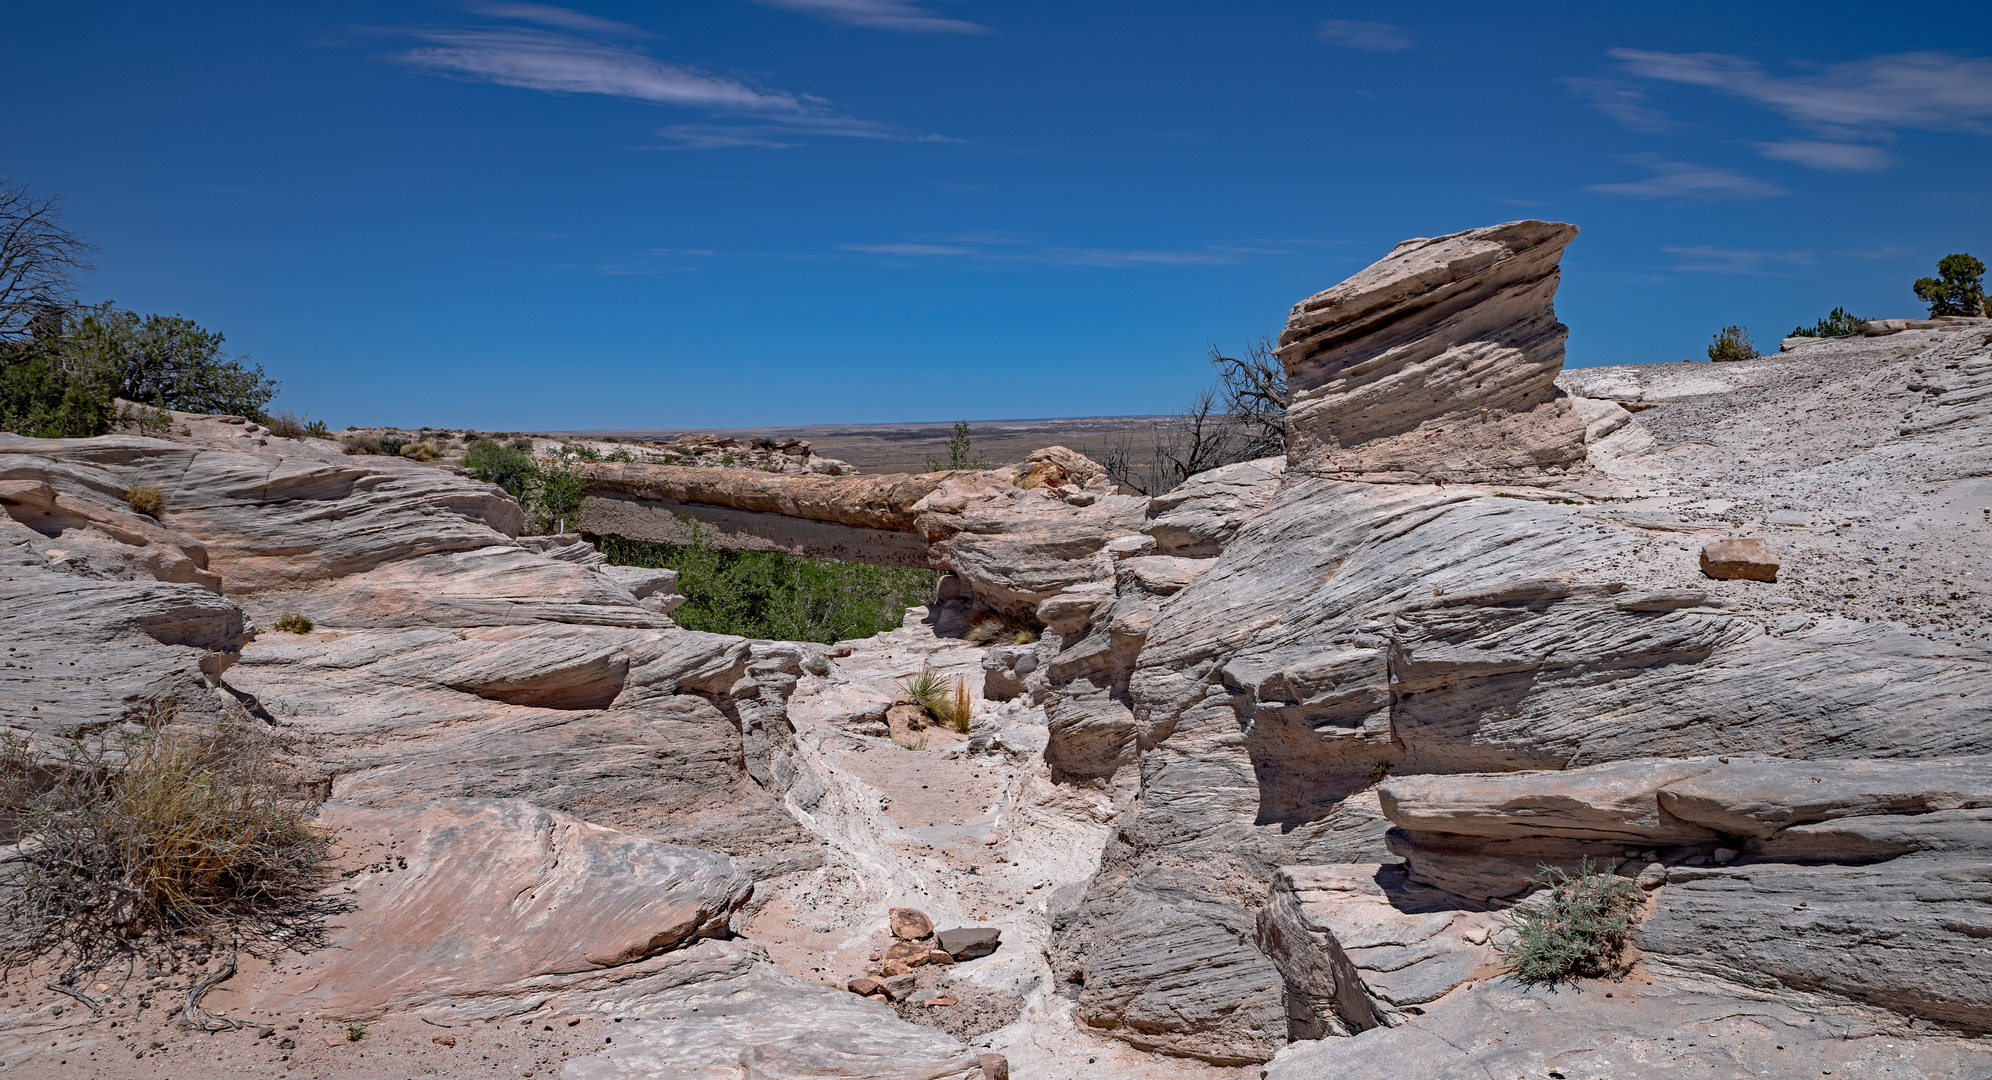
(967, 943)
(1745, 558)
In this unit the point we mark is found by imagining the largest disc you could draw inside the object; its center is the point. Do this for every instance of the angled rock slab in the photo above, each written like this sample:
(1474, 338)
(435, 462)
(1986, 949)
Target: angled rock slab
(486, 906)
(1498, 1029)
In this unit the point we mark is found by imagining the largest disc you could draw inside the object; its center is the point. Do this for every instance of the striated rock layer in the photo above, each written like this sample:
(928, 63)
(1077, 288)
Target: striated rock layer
(1437, 363)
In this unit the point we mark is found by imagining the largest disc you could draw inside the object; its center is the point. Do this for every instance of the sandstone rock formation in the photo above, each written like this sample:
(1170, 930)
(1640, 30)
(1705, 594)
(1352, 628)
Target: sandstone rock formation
(1438, 363)
(1290, 747)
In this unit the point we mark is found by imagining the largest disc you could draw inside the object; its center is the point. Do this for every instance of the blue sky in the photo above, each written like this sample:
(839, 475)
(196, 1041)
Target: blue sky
(763, 212)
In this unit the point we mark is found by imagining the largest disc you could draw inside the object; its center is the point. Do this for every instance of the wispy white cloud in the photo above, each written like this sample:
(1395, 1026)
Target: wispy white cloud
(1622, 103)
(1373, 36)
(567, 63)
(881, 15)
(563, 18)
(908, 249)
(1862, 98)
(1018, 250)
(1715, 260)
(1683, 180)
(539, 60)
(1830, 156)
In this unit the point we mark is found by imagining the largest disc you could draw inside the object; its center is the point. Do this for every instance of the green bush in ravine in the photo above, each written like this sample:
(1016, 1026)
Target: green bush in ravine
(765, 594)
(495, 463)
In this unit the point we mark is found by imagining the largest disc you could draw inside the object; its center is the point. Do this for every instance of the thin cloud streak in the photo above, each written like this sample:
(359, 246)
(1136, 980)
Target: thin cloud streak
(908, 249)
(555, 63)
(1622, 103)
(548, 15)
(1926, 90)
(880, 15)
(1832, 157)
(1684, 180)
(1369, 36)
(1715, 260)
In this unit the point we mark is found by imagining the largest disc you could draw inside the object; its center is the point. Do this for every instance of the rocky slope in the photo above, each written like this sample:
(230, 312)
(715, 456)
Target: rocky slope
(1287, 746)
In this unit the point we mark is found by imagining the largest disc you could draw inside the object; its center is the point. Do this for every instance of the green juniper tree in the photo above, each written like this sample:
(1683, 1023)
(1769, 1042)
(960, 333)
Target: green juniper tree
(1958, 288)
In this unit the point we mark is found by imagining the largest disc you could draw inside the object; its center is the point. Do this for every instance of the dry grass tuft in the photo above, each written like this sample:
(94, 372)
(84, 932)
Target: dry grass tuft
(146, 500)
(294, 624)
(129, 844)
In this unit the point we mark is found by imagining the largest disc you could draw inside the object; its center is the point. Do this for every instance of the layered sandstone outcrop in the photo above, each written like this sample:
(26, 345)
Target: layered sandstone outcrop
(1438, 363)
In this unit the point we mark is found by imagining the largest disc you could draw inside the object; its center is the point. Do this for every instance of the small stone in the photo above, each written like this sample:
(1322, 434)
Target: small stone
(910, 953)
(1726, 855)
(282, 1044)
(909, 924)
(898, 986)
(967, 943)
(1743, 558)
(443, 1040)
(942, 1001)
(994, 1066)
(893, 968)
(1654, 876)
(939, 956)
(863, 986)
(265, 1032)
(1474, 935)
(922, 996)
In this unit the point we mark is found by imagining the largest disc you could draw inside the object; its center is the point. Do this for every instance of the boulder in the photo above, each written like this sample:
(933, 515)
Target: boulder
(897, 987)
(969, 942)
(1198, 517)
(909, 924)
(1739, 559)
(1618, 802)
(1438, 362)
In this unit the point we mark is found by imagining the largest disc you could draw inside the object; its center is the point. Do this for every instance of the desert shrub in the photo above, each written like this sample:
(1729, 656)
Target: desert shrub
(1240, 418)
(318, 429)
(816, 664)
(554, 489)
(495, 463)
(145, 839)
(766, 594)
(287, 425)
(1733, 343)
(1581, 931)
(362, 444)
(423, 450)
(391, 444)
(1837, 323)
(1957, 290)
(146, 500)
(294, 624)
(40, 399)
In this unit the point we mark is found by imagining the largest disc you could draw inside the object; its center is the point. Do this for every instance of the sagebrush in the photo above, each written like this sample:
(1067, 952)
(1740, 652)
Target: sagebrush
(133, 842)
(1582, 931)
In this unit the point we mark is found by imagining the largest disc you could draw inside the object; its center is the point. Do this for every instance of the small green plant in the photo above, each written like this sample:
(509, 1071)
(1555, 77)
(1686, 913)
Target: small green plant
(149, 501)
(920, 744)
(961, 452)
(1838, 323)
(317, 429)
(1581, 931)
(1733, 343)
(553, 494)
(1957, 290)
(620, 453)
(294, 624)
(1378, 771)
(580, 450)
(354, 1032)
(816, 664)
